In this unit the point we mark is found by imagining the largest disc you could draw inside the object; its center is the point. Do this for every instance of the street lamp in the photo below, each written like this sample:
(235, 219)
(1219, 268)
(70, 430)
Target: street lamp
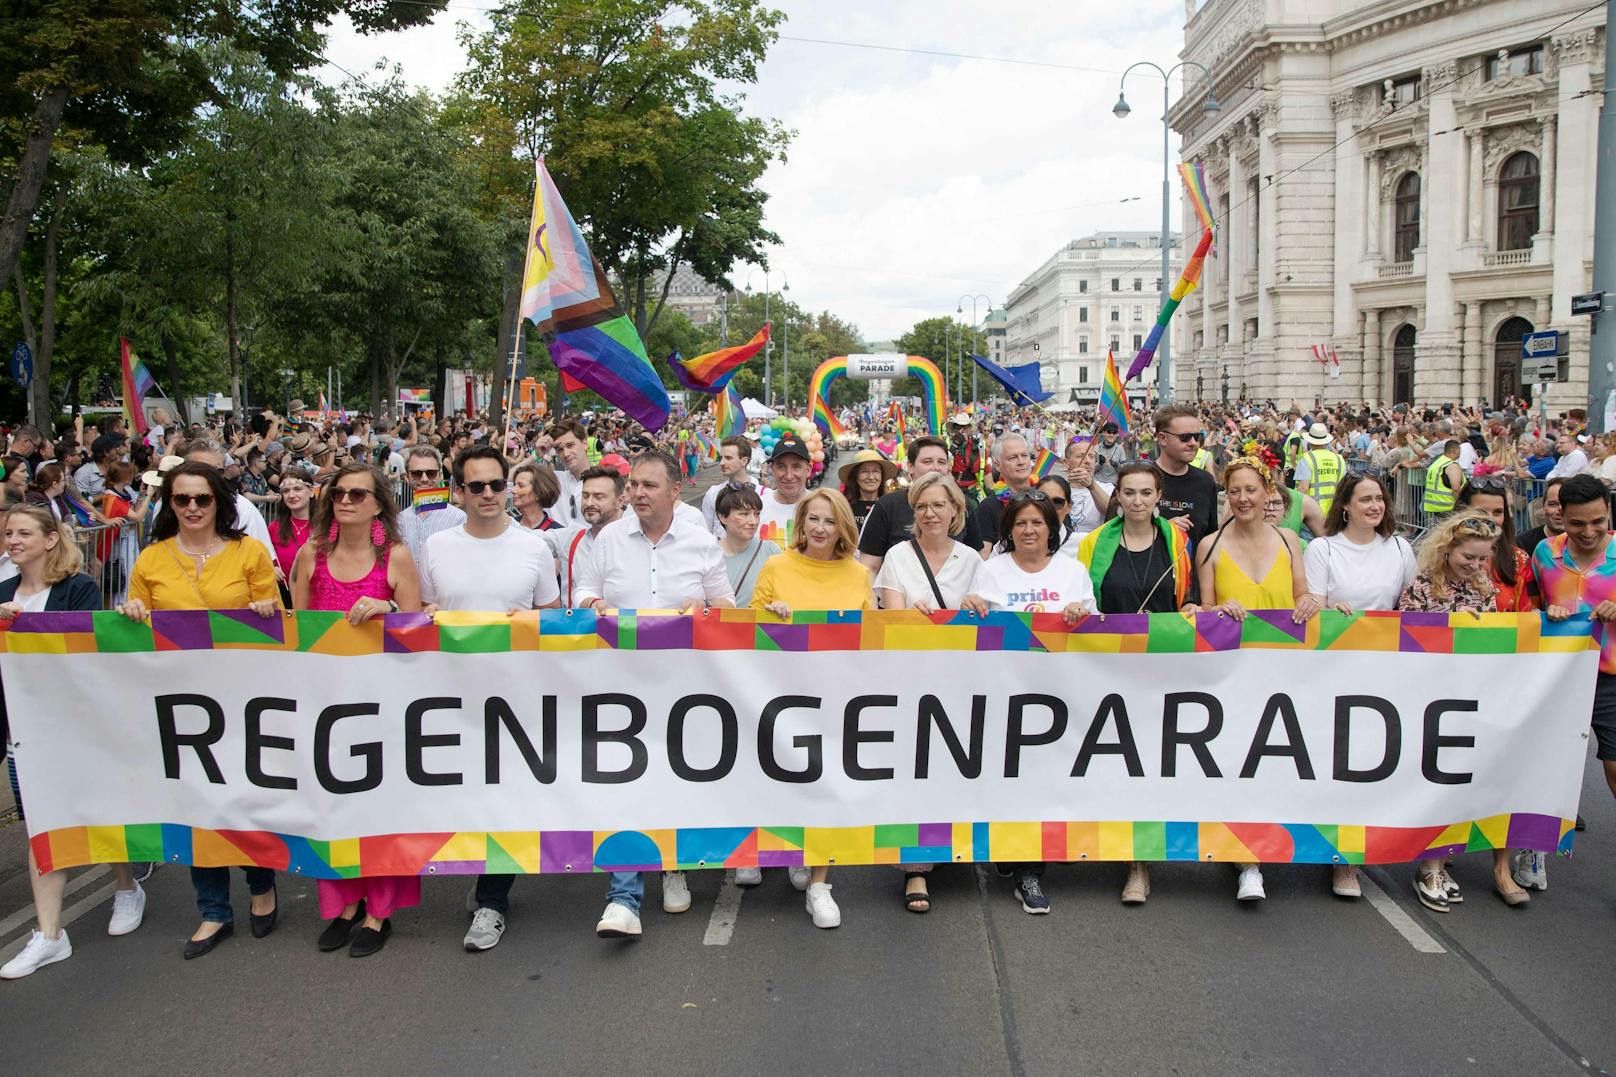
(959, 308)
(785, 343)
(1164, 361)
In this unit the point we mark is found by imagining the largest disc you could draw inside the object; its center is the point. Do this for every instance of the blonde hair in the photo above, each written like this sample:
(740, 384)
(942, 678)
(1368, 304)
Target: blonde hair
(66, 558)
(846, 530)
(1250, 463)
(1448, 532)
(956, 497)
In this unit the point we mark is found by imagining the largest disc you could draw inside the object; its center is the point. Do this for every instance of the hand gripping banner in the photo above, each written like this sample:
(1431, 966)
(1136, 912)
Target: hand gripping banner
(566, 741)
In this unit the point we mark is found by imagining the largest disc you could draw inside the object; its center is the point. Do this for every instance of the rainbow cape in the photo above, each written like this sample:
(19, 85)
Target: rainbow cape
(1195, 183)
(1113, 398)
(137, 382)
(566, 295)
(710, 373)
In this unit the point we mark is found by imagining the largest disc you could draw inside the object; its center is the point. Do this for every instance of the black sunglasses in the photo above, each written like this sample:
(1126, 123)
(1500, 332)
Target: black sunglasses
(185, 501)
(1186, 438)
(1489, 484)
(496, 485)
(424, 473)
(1030, 495)
(353, 495)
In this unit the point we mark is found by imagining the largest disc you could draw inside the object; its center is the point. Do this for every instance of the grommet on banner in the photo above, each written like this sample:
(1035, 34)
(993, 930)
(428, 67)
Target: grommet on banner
(431, 869)
(1082, 856)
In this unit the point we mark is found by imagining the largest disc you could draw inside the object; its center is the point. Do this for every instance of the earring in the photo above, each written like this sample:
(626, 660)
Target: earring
(333, 533)
(378, 533)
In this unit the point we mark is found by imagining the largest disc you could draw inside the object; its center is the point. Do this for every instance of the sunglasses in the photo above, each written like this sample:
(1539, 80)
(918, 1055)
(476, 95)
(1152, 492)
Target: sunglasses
(1187, 439)
(424, 473)
(1490, 484)
(1058, 502)
(185, 501)
(353, 495)
(1030, 496)
(496, 485)
(1480, 527)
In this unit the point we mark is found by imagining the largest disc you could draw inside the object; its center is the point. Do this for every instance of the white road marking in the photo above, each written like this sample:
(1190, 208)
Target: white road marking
(726, 910)
(69, 914)
(25, 915)
(1415, 935)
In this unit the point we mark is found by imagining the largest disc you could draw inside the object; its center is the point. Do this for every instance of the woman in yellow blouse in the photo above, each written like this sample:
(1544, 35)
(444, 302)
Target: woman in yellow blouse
(198, 561)
(818, 572)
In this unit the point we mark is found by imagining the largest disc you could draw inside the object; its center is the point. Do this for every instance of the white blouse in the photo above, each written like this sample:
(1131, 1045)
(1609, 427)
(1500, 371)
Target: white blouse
(902, 571)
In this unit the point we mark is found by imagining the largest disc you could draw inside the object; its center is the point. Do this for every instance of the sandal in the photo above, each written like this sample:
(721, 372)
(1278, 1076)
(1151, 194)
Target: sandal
(917, 901)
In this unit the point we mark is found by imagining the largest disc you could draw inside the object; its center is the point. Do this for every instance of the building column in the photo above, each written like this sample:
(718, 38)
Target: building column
(1371, 216)
(1437, 373)
(1546, 171)
(1475, 365)
(1236, 256)
(1570, 200)
(1374, 384)
(1474, 198)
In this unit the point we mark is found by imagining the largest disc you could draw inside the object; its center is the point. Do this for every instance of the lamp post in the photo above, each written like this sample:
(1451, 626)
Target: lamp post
(1164, 360)
(785, 344)
(768, 345)
(959, 308)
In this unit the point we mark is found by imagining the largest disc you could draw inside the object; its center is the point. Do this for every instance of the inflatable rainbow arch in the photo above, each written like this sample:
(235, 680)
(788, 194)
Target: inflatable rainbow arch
(933, 390)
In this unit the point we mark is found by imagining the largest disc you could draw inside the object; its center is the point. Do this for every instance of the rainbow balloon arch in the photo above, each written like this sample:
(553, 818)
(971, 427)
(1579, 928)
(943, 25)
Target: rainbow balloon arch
(933, 390)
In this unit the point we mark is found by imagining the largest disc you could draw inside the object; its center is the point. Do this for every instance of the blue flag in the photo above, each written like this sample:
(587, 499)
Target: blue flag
(1023, 383)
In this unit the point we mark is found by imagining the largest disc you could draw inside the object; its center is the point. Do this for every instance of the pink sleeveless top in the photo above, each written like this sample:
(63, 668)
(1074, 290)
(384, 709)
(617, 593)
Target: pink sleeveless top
(326, 592)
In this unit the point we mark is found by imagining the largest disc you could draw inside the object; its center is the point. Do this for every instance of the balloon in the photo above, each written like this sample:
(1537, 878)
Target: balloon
(818, 457)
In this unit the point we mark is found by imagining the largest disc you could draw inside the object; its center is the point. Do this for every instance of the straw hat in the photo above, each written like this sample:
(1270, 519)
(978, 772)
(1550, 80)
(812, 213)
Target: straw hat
(1318, 434)
(164, 466)
(298, 444)
(889, 470)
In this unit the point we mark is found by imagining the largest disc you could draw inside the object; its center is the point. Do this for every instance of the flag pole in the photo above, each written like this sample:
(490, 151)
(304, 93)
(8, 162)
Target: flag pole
(516, 329)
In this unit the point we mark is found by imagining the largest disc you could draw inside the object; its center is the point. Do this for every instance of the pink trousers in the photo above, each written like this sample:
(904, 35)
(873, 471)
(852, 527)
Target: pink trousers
(383, 894)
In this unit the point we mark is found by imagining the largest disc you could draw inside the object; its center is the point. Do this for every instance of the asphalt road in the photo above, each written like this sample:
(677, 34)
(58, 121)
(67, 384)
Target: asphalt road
(1191, 983)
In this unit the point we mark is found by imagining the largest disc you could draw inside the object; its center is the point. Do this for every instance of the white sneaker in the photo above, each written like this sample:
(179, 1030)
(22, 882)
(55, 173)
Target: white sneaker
(748, 876)
(487, 927)
(675, 892)
(39, 952)
(1530, 868)
(128, 910)
(1251, 885)
(822, 907)
(618, 922)
(799, 878)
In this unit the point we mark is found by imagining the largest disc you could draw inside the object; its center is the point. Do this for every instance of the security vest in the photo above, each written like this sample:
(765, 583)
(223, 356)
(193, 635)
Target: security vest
(592, 450)
(1439, 496)
(1293, 444)
(1203, 459)
(1328, 467)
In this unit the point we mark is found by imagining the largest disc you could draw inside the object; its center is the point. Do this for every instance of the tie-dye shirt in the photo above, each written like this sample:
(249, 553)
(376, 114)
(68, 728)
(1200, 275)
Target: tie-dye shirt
(1561, 583)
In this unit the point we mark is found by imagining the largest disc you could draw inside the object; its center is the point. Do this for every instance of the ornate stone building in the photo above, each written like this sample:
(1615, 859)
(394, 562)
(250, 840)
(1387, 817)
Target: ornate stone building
(1408, 181)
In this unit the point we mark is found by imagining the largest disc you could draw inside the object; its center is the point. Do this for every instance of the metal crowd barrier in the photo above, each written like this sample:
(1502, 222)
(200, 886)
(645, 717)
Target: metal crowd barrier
(1408, 498)
(109, 557)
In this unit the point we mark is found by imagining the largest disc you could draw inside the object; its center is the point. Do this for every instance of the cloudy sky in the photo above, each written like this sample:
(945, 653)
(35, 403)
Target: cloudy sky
(915, 178)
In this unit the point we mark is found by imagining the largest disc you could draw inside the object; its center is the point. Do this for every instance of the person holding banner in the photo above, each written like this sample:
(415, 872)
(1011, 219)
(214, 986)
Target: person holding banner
(42, 550)
(1232, 583)
(1454, 557)
(1138, 563)
(745, 555)
(1511, 567)
(934, 570)
(357, 565)
(818, 571)
(891, 522)
(199, 560)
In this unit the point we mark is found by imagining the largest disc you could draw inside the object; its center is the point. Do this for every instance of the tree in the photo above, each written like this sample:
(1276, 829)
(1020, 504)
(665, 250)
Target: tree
(127, 75)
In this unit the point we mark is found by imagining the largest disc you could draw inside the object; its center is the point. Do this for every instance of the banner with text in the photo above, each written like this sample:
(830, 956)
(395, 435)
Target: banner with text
(570, 741)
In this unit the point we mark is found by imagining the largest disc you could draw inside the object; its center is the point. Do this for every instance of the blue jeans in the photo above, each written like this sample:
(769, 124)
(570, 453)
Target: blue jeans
(627, 888)
(213, 890)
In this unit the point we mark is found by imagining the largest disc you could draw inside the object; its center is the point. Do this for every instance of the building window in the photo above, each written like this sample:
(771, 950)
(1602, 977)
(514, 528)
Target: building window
(1082, 375)
(1082, 314)
(1082, 285)
(1223, 334)
(1139, 341)
(1136, 313)
(1116, 344)
(1116, 284)
(1403, 365)
(1158, 284)
(1116, 314)
(1517, 202)
(1083, 345)
(1515, 62)
(1507, 361)
(1138, 284)
(1407, 217)
(1400, 92)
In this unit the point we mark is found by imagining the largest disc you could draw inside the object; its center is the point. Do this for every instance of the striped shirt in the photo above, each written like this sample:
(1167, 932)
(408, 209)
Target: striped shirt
(417, 528)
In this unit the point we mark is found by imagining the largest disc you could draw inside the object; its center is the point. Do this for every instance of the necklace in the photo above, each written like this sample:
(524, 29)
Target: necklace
(1141, 575)
(203, 555)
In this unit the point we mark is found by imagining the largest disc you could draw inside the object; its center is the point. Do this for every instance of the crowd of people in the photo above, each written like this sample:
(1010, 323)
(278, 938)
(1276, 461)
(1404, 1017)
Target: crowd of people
(1220, 508)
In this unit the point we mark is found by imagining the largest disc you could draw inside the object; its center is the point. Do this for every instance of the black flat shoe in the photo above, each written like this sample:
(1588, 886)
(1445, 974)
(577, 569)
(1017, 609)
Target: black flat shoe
(367, 940)
(198, 947)
(336, 933)
(263, 925)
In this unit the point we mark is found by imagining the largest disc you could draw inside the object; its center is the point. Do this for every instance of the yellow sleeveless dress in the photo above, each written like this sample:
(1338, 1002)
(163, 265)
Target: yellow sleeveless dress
(1272, 592)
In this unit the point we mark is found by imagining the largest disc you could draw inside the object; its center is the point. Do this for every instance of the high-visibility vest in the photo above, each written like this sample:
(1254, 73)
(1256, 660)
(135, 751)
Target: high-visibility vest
(1293, 443)
(592, 449)
(1439, 496)
(1327, 467)
(1203, 459)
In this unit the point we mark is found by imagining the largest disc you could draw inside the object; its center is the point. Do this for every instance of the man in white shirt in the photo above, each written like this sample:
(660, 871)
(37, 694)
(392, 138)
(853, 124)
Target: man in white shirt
(602, 500)
(424, 467)
(487, 563)
(790, 464)
(248, 519)
(1573, 460)
(571, 443)
(653, 558)
(734, 457)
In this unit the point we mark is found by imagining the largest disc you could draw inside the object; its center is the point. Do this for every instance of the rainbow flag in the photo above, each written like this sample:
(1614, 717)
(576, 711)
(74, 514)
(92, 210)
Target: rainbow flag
(1194, 176)
(710, 373)
(430, 499)
(708, 449)
(137, 382)
(895, 414)
(1042, 465)
(1195, 183)
(566, 295)
(729, 420)
(81, 511)
(1113, 398)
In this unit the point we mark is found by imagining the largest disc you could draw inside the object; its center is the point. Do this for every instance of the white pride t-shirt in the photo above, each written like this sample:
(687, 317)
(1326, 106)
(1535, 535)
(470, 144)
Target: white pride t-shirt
(1005, 586)
(515, 571)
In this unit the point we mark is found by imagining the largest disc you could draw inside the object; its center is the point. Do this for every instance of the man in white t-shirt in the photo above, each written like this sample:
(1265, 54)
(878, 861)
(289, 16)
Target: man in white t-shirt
(652, 558)
(734, 457)
(487, 563)
(1090, 497)
(1573, 460)
(790, 464)
(571, 443)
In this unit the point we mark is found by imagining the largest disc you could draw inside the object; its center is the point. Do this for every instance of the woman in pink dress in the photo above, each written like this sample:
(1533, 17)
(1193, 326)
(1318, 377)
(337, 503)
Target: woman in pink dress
(354, 562)
(291, 530)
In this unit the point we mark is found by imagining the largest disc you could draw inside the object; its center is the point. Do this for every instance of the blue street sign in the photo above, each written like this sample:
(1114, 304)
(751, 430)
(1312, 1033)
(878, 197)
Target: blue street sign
(22, 365)
(1540, 345)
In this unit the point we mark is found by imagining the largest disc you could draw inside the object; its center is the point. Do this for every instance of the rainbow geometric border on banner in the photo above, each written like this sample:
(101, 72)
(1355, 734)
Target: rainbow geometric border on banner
(899, 843)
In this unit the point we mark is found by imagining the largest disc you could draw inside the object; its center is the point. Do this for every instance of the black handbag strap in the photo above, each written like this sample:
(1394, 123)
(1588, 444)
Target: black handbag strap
(920, 555)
